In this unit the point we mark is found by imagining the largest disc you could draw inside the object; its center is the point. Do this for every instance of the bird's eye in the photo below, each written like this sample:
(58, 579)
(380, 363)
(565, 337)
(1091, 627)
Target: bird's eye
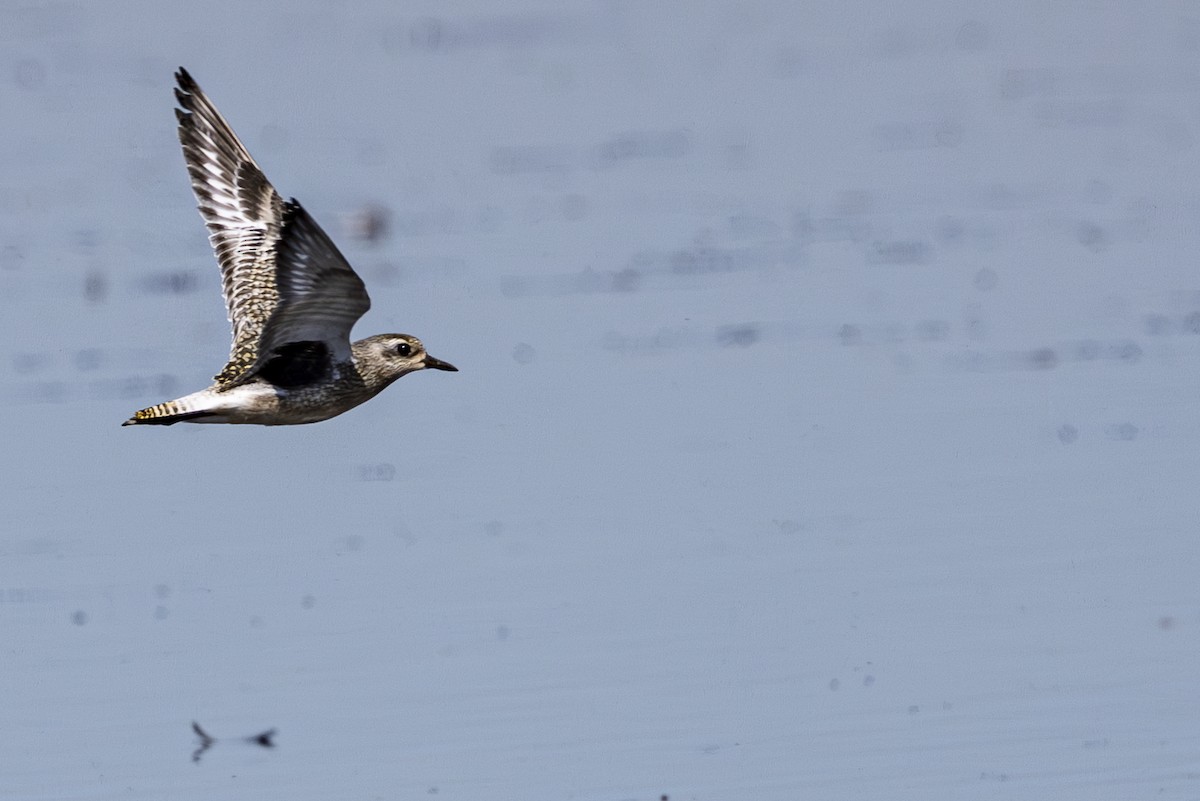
(404, 349)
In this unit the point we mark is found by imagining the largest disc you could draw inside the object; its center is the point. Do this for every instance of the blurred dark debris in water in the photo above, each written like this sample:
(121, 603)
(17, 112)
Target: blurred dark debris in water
(588, 281)
(178, 282)
(894, 333)
(264, 739)
(617, 149)
(838, 228)
(522, 159)
(29, 595)
(162, 592)
(945, 133)
(370, 224)
(985, 279)
(508, 31)
(383, 471)
(390, 273)
(1023, 83)
(87, 359)
(524, 353)
(850, 334)
(1047, 358)
(754, 227)
(705, 259)
(900, 252)
(936, 335)
(1122, 432)
(656, 268)
(27, 363)
(63, 390)
(29, 22)
(135, 386)
(737, 336)
(12, 257)
(1115, 432)
(641, 145)
(1092, 236)
(29, 74)
(1158, 324)
(1100, 113)
(424, 222)
(750, 334)
(95, 286)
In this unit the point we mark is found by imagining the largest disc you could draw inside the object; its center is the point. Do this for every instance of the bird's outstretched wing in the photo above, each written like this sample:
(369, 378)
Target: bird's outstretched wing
(284, 281)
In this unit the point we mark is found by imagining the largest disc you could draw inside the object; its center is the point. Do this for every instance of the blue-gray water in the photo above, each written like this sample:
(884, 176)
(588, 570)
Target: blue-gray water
(826, 427)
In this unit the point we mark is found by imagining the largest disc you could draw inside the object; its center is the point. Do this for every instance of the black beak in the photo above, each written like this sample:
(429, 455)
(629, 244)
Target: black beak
(437, 364)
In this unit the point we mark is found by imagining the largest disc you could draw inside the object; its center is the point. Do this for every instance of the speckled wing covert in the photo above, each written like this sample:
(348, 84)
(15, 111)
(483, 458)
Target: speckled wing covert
(284, 280)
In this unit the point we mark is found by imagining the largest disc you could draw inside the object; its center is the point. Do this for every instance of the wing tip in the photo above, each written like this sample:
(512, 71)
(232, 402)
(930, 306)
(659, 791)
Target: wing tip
(185, 80)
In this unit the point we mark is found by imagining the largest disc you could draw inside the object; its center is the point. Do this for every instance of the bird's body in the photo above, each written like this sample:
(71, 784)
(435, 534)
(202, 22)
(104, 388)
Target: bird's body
(292, 297)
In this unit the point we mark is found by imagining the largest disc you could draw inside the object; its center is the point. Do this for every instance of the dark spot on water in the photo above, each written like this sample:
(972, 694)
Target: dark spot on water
(574, 207)
(382, 471)
(1043, 358)
(11, 257)
(95, 286)
(266, 739)
(174, 283)
(644, 145)
(1129, 352)
(87, 359)
(30, 74)
(523, 353)
(1091, 236)
(933, 330)
(626, 280)
(985, 280)
(1157, 325)
(521, 159)
(1087, 350)
(1122, 432)
(26, 363)
(738, 336)
(972, 36)
(900, 252)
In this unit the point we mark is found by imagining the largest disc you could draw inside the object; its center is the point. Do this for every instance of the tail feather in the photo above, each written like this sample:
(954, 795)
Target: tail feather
(164, 414)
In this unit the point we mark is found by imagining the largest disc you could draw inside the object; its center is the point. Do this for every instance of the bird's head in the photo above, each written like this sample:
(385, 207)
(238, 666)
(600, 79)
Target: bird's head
(393, 355)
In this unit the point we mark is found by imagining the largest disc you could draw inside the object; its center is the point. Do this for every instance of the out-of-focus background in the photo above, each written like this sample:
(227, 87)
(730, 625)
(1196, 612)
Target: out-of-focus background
(827, 421)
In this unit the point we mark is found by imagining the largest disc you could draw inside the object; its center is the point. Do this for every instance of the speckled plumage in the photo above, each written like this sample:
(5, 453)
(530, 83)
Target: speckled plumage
(292, 298)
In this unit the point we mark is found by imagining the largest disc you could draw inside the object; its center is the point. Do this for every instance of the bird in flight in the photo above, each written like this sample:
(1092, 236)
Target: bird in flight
(291, 296)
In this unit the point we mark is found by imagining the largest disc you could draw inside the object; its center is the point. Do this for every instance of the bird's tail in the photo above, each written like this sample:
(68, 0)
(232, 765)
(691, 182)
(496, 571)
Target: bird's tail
(165, 414)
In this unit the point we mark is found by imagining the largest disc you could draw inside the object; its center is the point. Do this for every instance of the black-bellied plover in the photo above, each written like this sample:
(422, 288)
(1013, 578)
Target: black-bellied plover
(291, 296)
